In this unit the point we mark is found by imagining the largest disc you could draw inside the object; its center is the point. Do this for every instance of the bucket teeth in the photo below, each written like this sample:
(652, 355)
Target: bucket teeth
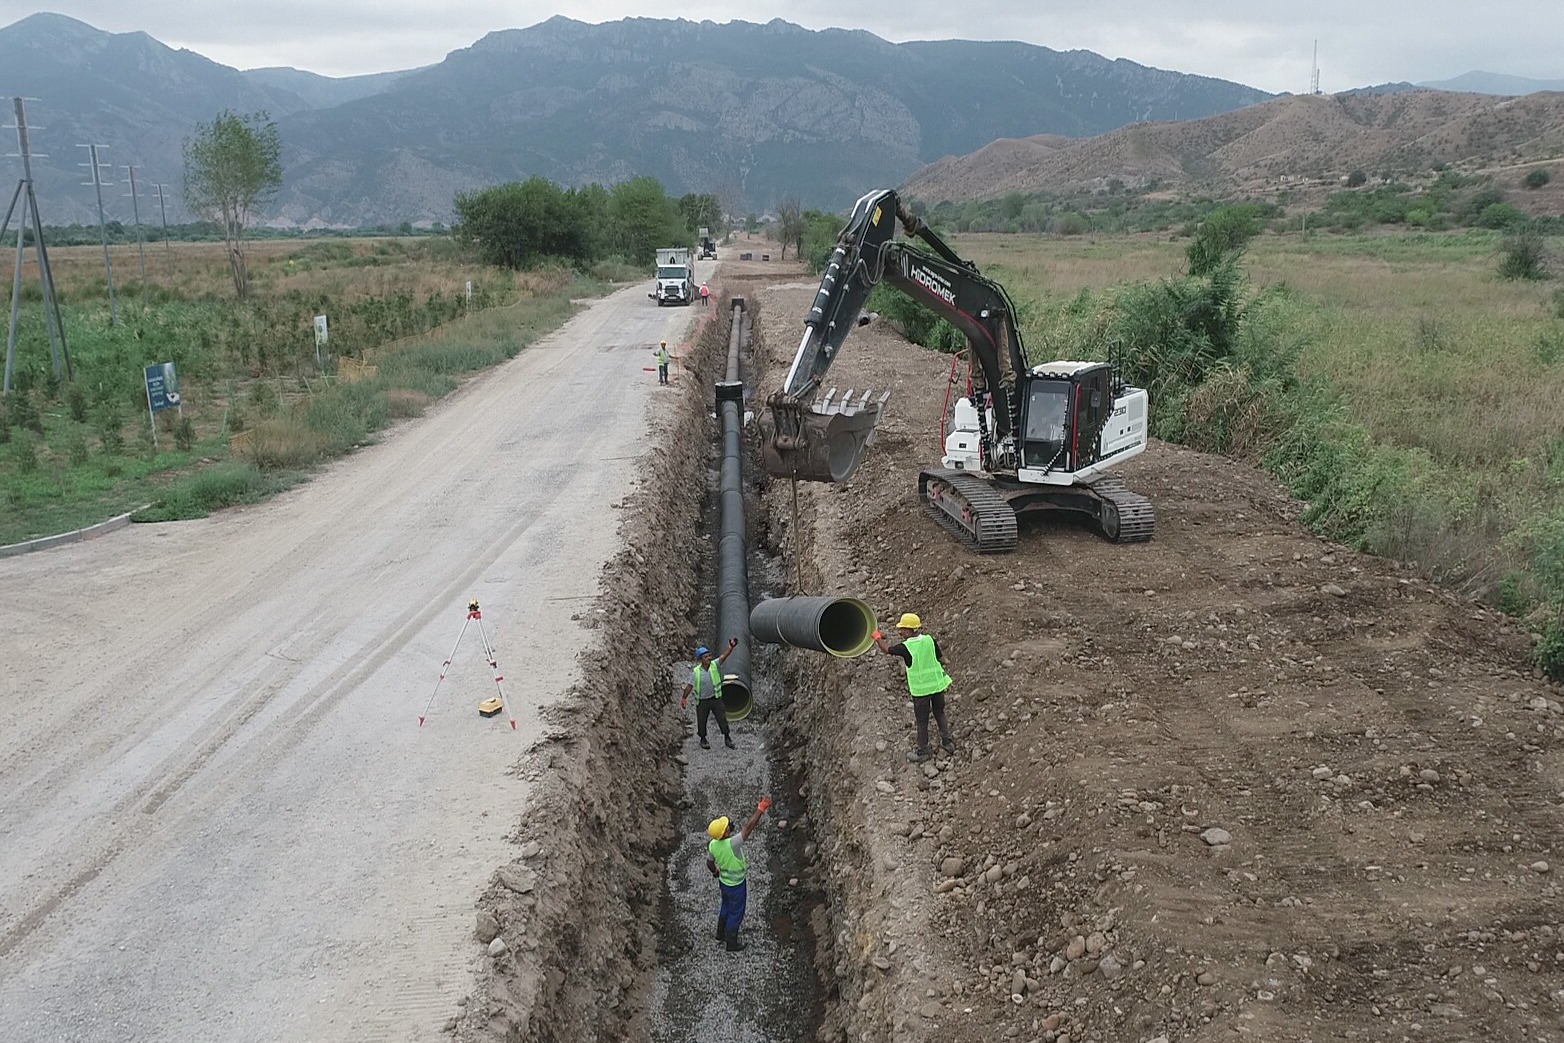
(825, 442)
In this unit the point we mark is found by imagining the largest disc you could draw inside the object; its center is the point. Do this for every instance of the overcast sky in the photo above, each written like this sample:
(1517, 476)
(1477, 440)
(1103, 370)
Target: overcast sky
(1259, 42)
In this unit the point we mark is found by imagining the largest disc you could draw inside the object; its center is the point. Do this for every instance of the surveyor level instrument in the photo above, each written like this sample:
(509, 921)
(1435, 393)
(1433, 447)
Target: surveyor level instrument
(489, 707)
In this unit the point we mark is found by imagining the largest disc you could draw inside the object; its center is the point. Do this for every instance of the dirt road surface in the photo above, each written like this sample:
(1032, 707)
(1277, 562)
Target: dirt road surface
(1233, 783)
(221, 819)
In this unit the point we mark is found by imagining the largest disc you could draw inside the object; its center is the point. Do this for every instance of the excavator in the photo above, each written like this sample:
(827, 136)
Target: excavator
(1026, 438)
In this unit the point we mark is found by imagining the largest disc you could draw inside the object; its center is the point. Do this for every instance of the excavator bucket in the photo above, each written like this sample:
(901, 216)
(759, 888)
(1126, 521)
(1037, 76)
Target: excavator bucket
(823, 442)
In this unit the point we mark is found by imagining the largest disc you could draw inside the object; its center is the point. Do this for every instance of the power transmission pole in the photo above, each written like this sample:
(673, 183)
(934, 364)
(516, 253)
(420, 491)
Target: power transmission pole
(28, 200)
(163, 209)
(103, 225)
(141, 243)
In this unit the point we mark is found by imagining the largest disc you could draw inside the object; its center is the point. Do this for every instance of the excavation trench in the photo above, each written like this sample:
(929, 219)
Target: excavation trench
(606, 924)
(702, 990)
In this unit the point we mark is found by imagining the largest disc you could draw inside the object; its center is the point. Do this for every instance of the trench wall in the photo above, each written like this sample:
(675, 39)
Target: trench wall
(578, 913)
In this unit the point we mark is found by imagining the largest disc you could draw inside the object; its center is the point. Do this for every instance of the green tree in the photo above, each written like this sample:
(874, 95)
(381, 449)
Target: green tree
(233, 168)
(517, 224)
(700, 211)
(1222, 235)
(643, 218)
(790, 224)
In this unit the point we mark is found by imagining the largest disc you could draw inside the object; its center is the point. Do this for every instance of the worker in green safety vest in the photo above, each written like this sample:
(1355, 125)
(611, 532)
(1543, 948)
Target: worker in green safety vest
(927, 681)
(662, 363)
(706, 684)
(725, 859)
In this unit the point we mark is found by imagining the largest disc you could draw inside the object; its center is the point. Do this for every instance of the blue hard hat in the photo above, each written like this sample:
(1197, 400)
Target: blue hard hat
(702, 650)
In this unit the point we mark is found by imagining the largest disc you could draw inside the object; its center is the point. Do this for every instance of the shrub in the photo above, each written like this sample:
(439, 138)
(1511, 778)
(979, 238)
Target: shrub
(76, 402)
(1223, 234)
(1523, 256)
(24, 412)
(1500, 216)
(1550, 652)
(1357, 178)
(107, 423)
(404, 402)
(76, 447)
(1537, 178)
(184, 434)
(224, 485)
(24, 451)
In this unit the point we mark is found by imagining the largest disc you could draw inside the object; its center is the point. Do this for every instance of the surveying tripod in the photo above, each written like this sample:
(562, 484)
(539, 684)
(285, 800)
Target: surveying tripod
(474, 615)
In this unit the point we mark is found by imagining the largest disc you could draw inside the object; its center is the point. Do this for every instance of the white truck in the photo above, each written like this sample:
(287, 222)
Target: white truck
(708, 245)
(675, 279)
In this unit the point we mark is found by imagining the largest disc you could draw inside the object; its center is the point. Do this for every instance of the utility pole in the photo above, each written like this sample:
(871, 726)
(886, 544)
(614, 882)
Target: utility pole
(1314, 78)
(103, 225)
(163, 209)
(28, 199)
(141, 243)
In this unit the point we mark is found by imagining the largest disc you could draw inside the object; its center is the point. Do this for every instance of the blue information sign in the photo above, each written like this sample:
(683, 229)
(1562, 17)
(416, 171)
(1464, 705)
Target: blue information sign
(162, 388)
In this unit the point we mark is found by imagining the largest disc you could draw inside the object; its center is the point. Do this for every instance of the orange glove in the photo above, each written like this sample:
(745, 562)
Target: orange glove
(684, 702)
(764, 805)
(878, 635)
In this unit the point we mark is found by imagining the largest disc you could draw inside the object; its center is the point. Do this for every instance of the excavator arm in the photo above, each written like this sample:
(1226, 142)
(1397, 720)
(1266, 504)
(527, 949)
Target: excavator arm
(827, 440)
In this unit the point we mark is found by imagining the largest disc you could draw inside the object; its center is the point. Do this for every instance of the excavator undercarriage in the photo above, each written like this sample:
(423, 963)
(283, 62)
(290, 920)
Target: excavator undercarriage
(982, 513)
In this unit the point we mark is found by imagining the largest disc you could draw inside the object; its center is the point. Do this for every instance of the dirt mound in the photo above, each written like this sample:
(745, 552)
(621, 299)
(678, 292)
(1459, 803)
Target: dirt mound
(1235, 780)
(1296, 136)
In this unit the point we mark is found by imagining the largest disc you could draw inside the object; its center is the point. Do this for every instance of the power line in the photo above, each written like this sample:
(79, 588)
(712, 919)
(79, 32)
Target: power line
(141, 243)
(28, 200)
(103, 226)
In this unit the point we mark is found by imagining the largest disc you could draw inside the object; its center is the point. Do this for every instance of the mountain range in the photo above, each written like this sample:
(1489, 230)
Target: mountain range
(754, 113)
(1281, 143)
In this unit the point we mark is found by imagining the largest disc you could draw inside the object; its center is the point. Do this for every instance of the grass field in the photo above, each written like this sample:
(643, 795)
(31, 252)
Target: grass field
(1424, 420)
(73, 453)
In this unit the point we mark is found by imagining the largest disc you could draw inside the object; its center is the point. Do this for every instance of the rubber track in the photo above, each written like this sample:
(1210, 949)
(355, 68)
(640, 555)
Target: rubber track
(1137, 517)
(995, 528)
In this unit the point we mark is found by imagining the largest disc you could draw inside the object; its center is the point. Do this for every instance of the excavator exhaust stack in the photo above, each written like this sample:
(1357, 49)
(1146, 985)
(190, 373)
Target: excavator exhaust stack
(822, 442)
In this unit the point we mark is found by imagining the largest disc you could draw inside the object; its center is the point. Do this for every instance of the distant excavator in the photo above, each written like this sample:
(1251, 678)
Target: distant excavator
(1027, 438)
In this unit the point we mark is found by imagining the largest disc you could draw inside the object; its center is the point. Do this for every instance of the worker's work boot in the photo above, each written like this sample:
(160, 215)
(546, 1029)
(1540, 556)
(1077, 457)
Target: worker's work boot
(704, 744)
(726, 741)
(919, 755)
(948, 744)
(734, 945)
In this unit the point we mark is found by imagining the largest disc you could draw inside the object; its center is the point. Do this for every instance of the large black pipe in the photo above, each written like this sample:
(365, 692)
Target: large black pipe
(732, 547)
(840, 626)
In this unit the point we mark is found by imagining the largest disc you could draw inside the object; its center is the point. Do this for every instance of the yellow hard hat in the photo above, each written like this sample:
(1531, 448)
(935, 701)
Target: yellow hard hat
(909, 621)
(665, 344)
(718, 828)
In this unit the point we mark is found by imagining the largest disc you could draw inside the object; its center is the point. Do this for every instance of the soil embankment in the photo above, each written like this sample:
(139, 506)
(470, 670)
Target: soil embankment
(1233, 781)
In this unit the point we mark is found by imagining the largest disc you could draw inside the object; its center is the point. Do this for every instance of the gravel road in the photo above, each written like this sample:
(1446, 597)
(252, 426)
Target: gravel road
(221, 818)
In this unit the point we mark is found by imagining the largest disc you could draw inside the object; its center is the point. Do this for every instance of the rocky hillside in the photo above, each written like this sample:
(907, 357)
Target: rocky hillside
(753, 112)
(1287, 138)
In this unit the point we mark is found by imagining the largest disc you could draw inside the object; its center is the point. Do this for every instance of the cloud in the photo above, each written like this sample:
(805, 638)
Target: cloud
(1265, 44)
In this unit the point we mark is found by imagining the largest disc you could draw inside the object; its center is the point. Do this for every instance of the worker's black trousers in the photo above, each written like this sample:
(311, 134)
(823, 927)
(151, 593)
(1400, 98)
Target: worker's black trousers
(922, 707)
(662, 374)
(711, 708)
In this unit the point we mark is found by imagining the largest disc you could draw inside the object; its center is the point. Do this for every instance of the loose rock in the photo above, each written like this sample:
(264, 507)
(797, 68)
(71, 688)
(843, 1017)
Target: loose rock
(1216, 836)
(497, 947)
(952, 866)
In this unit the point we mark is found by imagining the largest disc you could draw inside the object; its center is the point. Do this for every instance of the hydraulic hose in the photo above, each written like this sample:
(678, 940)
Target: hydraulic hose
(841, 626)
(732, 547)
